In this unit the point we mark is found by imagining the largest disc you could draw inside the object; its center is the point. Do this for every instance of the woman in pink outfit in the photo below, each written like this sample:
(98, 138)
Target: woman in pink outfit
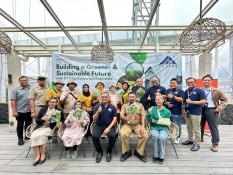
(74, 131)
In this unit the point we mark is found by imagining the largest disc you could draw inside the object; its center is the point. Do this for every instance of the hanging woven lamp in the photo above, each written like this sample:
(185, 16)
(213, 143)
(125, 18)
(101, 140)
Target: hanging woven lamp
(202, 35)
(5, 43)
(102, 53)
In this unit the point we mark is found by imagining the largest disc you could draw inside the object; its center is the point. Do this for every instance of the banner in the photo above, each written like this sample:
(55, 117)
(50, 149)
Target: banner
(126, 66)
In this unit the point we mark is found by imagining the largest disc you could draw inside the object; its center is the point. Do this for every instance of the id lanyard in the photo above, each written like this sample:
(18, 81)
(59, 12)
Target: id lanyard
(190, 93)
(206, 94)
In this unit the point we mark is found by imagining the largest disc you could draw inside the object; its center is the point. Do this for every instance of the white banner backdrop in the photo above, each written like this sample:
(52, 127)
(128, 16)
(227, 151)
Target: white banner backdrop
(126, 66)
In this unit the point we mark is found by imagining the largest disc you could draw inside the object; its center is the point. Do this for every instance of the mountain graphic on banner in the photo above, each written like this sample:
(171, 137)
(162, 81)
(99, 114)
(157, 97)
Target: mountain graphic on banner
(139, 58)
(168, 62)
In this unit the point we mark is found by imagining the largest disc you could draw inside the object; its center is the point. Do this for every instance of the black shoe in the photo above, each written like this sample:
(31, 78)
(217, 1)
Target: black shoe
(42, 161)
(125, 156)
(108, 157)
(155, 160)
(187, 142)
(36, 162)
(26, 138)
(20, 142)
(142, 158)
(195, 147)
(160, 161)
(99, 157)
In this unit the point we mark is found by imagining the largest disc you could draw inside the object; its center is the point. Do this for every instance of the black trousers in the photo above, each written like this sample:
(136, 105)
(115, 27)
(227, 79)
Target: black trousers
(210, 116)
(21, 119)
(96, 134)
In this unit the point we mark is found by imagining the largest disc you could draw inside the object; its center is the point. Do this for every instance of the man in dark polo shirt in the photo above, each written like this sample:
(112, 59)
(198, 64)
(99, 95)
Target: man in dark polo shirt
(175, 98)
(20, 104)
(153, 90)
(105, 116)
(194, 100)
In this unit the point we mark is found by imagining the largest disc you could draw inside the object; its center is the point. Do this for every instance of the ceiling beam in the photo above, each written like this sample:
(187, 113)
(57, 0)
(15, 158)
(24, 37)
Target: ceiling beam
(20, 27)
(58, 21)
(103, 20)
(156, 4)
(204, 12)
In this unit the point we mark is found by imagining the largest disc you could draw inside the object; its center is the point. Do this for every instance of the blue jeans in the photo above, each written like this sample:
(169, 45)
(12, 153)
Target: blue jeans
(159, 139)
(177, 120)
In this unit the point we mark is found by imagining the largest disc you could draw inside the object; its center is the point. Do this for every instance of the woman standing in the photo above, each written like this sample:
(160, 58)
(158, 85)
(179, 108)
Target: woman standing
(87, 103)
(159, 132)
(46, 121)
(74, 132)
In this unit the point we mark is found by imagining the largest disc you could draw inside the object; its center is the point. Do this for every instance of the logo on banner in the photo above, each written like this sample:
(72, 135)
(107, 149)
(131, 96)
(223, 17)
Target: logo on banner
(168, 62)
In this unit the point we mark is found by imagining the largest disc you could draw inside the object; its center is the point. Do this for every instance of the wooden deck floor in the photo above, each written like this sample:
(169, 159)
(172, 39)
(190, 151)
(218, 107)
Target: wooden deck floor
(13, 161)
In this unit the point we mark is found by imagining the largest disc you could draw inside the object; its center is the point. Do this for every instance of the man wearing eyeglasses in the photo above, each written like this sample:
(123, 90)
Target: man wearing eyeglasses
(194, 100)
(153, 90)
(105, 116)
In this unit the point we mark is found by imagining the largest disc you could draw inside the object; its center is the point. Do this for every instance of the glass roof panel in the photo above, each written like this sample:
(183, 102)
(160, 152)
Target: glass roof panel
(77, 12)
(4, 22)
(20, 38)
(28, 13)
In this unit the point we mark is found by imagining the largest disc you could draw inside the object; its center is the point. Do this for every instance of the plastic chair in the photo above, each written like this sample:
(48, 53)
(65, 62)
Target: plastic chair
(104, 136)
(61, 132)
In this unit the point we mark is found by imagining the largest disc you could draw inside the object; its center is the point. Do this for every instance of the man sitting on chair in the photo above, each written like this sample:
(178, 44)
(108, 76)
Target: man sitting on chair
(133, 119)
(105, 116)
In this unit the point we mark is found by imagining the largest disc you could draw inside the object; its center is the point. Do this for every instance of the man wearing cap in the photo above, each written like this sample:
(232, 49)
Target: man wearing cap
(68, 97)
(56, 93)
(133, 124)
(153, 90)
(37, 96)
(20, 105)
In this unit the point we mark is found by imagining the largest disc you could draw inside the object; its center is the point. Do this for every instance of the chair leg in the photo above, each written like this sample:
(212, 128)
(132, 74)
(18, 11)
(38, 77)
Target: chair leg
(172, 142)
(61, 152)
(93, 153)
(87, 140)
(83, 148)
(49, 151)
(145, 153)
(28, 152)
(115, 149)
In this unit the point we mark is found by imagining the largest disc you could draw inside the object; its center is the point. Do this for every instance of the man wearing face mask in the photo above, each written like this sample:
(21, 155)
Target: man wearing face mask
(153, 90)
(135, 124)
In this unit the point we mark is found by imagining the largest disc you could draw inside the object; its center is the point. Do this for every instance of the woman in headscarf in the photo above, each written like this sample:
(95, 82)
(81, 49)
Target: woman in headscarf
(87, 103)
(75, 128)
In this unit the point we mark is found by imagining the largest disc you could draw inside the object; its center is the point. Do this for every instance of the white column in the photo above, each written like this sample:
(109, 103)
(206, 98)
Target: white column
(14, 68)
(205, 62)
(215, 71)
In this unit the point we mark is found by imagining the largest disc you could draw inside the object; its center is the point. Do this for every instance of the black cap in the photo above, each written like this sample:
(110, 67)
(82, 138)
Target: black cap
(41, 78)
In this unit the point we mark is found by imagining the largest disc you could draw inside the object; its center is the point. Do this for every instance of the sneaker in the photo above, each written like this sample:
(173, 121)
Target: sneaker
(20, 142)
(187, 142)
(74, 154)
(177, 140)
(155, 160)
(160, 161)
(68, 154)
(195, 147)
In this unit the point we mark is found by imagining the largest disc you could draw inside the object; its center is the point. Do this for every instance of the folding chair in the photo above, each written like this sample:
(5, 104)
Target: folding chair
(28, 134)
(173, 133)
(104, 136)
(61, 132)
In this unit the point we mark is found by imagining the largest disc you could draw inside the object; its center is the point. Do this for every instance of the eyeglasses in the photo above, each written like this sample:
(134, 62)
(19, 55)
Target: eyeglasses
(190, 82)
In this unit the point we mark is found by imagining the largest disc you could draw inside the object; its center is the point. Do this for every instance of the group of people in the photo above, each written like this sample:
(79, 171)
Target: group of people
(136, 109)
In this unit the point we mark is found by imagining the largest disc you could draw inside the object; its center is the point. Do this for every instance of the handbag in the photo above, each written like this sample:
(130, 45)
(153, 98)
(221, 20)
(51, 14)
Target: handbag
(163, 121)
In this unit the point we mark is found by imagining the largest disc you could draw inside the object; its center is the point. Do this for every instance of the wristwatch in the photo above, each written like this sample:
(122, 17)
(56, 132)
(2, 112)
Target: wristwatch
(192, 102)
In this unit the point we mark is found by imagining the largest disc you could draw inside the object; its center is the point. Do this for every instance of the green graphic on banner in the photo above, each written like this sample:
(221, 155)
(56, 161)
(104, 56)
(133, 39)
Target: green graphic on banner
(139, 58)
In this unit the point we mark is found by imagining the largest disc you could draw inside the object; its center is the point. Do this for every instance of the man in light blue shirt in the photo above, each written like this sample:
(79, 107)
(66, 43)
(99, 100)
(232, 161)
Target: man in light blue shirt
(20, 104)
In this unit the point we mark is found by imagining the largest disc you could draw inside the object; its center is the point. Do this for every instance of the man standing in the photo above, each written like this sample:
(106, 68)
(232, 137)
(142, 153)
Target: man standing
(105, 116)
(143, 99)
(175, 98)
(153, 90)
(68, 97)
(215, 103)
(21, 107)
(195, 99)
(37, 97)
(135, 124)
(56, 93)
